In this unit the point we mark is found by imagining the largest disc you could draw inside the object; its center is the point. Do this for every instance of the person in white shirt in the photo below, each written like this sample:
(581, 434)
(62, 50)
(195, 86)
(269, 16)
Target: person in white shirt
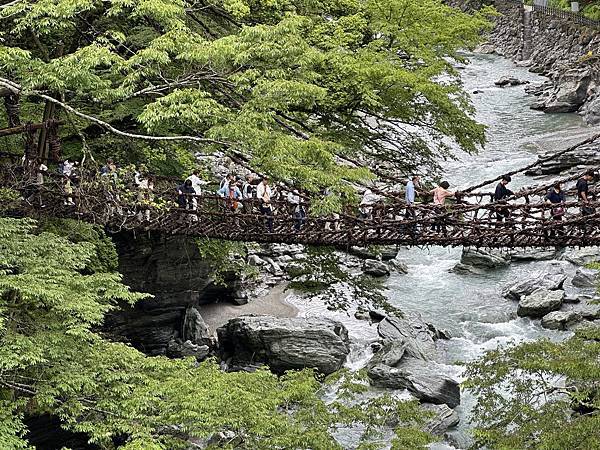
(264, 193)
(67, 168)
(197, 184)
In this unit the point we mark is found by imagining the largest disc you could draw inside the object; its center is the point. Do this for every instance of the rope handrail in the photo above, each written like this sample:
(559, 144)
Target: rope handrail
(119, 207)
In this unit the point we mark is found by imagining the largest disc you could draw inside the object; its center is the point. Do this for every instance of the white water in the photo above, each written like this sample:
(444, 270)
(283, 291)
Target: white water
(471, 306)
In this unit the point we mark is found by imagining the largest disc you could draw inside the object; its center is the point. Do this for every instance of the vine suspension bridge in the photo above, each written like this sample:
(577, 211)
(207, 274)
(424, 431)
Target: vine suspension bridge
(523, 220)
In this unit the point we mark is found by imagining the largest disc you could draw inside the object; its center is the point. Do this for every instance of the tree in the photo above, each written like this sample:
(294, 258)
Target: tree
(54, 360)
(543, 395)
(308, 91)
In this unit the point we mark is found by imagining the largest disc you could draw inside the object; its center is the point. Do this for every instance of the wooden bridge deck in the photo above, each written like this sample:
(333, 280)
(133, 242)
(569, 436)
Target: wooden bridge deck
(529, 224)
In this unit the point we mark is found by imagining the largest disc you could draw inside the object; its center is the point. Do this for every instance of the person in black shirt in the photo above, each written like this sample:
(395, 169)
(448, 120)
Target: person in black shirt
(502, 192)
(583, 193)
(556, 197)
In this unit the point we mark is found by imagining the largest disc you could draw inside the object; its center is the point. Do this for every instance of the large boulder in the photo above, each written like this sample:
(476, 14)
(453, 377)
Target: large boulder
(195, 329)
(569, 94)
(533, 254)
(285, 343)
(415, 335)
(582, 256)
(376, 268)
(560, 320)
(487, 259)
(591, 110)
(585, 155)
(540, 302)
(551, 279)
(423, 379)
(443, 417)
(585, 278)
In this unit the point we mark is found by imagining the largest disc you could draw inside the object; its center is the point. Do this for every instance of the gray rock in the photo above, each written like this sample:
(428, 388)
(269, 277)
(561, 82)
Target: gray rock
(582, 256)
(376, 268)
(390, 354)
(560, 320)
(589, 312)
(362, 315)
(195, 329)
(423, 379)
(509, 81)
(585, 155)
(377, 315)
(462, 269)
(443, 418)
(398, 266)
(285, 343)
(255, 260)
(178, 349)
(585, 278)
(487, 259)
(591, 110)
(551, 279)
(540, 302)
(412, 331)
(569, 94)
(533, 254)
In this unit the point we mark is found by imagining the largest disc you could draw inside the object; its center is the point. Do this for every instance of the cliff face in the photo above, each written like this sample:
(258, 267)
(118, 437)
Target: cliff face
(171, 269)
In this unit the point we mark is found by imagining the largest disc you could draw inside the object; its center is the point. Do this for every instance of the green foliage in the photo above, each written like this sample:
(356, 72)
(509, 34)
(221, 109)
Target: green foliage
(293, 85)
(105, 259)
(8, 197)
(53, 361)
(542, 395)
(227, 259)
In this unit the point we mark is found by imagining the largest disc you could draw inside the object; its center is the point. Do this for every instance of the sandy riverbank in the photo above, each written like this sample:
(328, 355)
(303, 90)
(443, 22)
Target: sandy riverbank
(272, 304)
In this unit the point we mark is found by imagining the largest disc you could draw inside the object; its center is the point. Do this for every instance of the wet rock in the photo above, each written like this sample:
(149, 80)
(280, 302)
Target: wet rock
(569, 94)
(195, 329)
(178, 349)
(423, 379)
(462, 269)
(377, 315)
(591, 110)
(438, 333)
(486, 259)
(582, 256)
(540, 302)
(486, 49)
(572, 298)
(390, 354)
(551, 279)
(362, 315)
(285, 343)
(255, 260)
(411, 331)
(534, 254)
(585, 278)
(585, 155)
(398, 266)
(388, 253)
(510, 81)
(589, 312)
(376, 268)
(443, 418)
(560, 320)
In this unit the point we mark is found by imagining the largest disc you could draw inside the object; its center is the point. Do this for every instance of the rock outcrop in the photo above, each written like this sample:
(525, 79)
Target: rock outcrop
(405, 361)
(540, 302)
(560, 320)
(285, 343)
(376, 268)
(551, 279)
(476, 260)
(585, 278)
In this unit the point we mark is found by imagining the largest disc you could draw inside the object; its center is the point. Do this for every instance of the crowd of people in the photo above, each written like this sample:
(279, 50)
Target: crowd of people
(252, 194)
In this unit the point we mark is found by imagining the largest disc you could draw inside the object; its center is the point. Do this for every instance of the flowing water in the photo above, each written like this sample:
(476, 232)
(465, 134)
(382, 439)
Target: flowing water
(471, 306)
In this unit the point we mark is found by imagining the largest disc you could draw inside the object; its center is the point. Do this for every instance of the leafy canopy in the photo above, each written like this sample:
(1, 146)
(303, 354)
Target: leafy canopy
(299, 87)
(53, 360)
(541, 395)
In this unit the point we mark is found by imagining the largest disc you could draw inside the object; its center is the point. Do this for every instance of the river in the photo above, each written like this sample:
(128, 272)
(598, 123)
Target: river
(471, 306)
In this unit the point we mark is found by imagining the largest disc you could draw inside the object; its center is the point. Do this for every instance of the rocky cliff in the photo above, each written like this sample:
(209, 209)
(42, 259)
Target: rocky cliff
(172, 270)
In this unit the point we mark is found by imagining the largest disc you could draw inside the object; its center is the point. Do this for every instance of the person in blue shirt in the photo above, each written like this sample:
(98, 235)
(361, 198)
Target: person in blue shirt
(556, 197)
(233, 195)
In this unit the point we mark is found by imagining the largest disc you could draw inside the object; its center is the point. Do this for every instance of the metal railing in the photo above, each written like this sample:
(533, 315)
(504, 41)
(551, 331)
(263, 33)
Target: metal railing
(567, 15)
